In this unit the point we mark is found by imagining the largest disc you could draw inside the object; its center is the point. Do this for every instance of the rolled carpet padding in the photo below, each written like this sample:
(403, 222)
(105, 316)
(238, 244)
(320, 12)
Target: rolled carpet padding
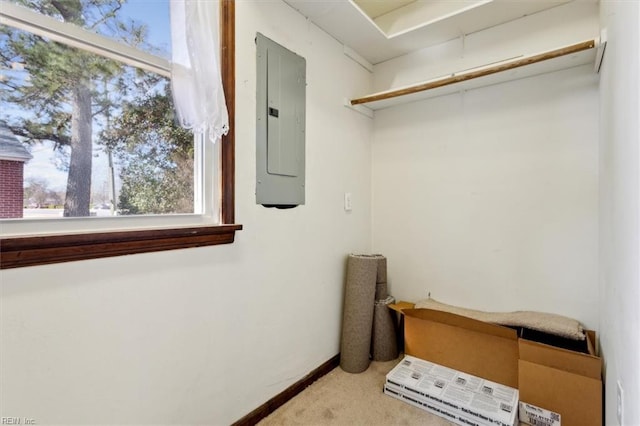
(357, 318)
(384, 346)
(548, 323)
(381, 278)
(381, 291)
(381, 275)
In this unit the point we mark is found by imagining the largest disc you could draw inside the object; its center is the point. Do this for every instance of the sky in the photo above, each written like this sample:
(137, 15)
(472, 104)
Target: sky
(42, 165)
(155, 13)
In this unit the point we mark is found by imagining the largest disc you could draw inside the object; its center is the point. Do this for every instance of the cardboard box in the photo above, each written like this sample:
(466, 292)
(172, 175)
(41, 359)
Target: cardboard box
(460, 397)
(562, 381)
(475, 347)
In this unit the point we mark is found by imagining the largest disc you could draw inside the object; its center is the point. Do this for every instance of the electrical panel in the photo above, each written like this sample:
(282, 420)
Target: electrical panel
(280, 121)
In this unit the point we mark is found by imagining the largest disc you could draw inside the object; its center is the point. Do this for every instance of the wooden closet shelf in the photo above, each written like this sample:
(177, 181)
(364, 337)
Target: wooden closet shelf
(374, 101)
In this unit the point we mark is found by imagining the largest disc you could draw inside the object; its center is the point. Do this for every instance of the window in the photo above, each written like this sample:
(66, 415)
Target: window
(154, 191)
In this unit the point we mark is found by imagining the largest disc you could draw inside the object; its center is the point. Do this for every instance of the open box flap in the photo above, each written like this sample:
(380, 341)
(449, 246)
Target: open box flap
(400, 306)
(463, 322)
(562, 359)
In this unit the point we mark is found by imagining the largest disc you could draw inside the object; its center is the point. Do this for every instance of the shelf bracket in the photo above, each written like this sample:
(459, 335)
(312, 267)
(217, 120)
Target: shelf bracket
(600, 48)
(368, 112)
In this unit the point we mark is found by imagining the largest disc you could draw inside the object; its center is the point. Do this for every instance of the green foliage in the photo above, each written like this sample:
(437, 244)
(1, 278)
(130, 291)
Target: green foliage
(156, 155)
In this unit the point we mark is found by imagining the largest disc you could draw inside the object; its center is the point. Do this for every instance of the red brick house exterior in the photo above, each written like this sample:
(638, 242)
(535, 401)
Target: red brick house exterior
(13, 155)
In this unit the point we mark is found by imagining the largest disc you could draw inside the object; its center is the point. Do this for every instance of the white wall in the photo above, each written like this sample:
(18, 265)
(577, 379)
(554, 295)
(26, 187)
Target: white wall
(620, 208)
(488, 198)
(204, 336)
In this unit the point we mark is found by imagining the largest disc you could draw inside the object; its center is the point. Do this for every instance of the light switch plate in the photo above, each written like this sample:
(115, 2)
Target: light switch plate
(347, 202)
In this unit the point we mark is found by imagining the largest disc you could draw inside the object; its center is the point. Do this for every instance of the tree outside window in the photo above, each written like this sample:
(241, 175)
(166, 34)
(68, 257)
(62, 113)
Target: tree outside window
(107, 127)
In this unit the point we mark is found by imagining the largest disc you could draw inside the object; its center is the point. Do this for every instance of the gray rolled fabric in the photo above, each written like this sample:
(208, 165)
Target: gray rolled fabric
(384, 344)
(381, 274)
(381, 278)
(381, 291)
(357, 319)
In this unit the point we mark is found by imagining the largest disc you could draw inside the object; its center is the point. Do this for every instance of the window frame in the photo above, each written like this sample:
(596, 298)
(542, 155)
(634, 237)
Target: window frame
(16, 252)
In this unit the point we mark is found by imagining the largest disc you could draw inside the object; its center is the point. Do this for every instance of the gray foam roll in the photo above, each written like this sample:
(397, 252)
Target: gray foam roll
(381, 273)
(357, 319)
(381, 278)
(384, 344)
(381, 291)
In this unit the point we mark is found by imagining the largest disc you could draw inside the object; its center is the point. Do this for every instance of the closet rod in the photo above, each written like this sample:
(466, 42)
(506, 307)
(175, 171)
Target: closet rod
(445, 81)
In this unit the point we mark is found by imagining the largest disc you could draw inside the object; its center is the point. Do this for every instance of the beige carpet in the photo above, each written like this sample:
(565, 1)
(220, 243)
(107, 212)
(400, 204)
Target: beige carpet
(341, 398)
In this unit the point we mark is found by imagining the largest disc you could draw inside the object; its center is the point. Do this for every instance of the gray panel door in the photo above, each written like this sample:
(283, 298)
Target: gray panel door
(280, 118)
(282, 114)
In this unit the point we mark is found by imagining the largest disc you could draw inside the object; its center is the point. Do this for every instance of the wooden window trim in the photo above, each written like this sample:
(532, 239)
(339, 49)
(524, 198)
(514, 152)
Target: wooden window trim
(41, 250)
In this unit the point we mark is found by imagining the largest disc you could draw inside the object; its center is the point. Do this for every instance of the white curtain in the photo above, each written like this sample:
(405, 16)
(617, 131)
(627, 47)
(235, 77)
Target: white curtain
(196, 81)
